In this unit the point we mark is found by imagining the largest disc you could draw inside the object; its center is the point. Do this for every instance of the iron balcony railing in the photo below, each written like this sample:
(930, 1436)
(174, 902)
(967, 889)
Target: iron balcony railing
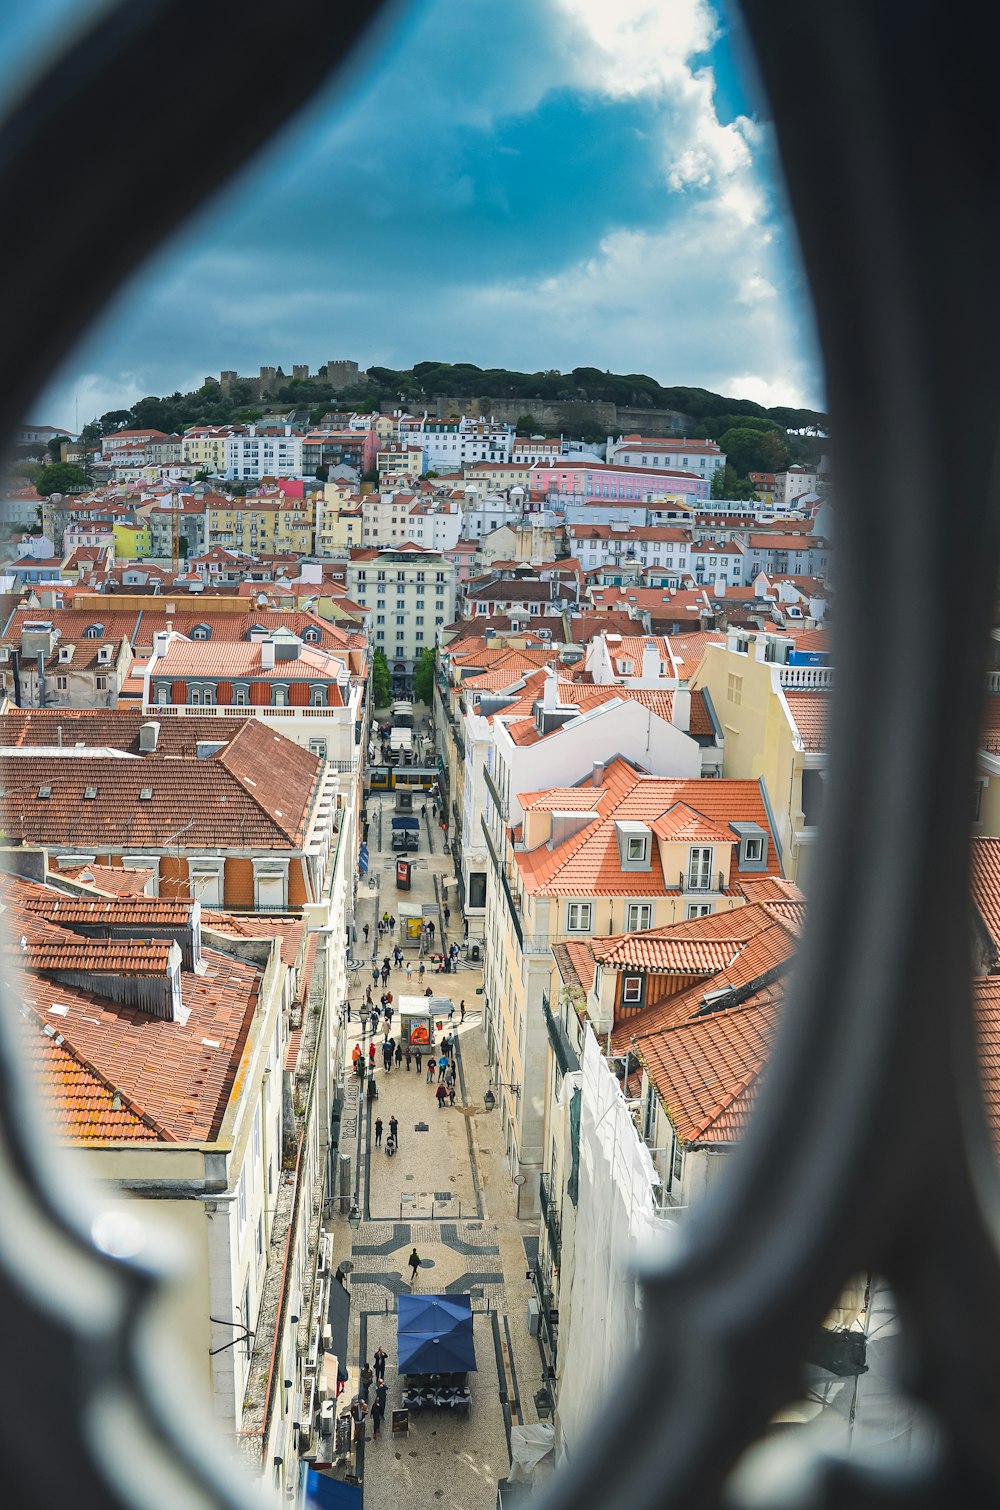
(502, 805)
(566, 1056)
(550, 1215)
(691, 883)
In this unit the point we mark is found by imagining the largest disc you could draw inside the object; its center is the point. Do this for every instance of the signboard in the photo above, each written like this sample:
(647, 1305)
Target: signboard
(342, 1440)
(400, 1421)
(363, 859)
(403, 875)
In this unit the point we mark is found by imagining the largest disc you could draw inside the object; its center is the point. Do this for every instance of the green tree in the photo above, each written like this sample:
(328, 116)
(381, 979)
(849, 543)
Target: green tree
(423, 677)
(526, 423)
(726, 484)
(55, 446)
(61, 477)
(755, 450)
(381, 681)
(202, 475)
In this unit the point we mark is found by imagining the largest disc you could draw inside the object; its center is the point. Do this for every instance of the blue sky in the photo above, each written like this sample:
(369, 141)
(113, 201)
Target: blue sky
(549, 183)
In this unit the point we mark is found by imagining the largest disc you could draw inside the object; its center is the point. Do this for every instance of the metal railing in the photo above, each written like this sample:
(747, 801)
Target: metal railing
(502, 805)
(550, 1215)
(694, 885)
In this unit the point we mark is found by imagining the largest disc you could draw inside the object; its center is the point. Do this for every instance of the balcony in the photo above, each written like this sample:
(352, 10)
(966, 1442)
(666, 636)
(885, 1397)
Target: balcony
(696, 886)
(550, 1215)
(536, 943)
(566, 1055)
(806, 678)
(501, 802)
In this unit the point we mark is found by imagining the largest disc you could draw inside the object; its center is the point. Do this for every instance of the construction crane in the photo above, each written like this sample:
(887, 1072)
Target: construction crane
(175, 532)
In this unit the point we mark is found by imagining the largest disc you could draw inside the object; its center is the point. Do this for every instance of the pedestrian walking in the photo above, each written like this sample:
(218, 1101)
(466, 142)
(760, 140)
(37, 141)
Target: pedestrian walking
(423, 810)
(451, 1012)
(422, 972)
(398, 1056)
(385, 974)
(359, 1414)
(451, 1092)
(430, 930)
(371, 1054)
(397, 955)
(394, 1130)
(434, 809)
(374, 1018)
(365, 930)
(409, 971)
(374, 975)
(347, 1011)
(386, 962)
(392, 922)
(378, 1141)
(378, 1414)
(447, 914)
(386, 1057)
(380, 1360)
(366, 1378)
(442, 1067)
(381, 1393)
(442, 1095)
(431, 1067)
(414, 1263)
(461, 1011)
(385, 920)
(368, 996)
(418, 1055)
(409, 1057)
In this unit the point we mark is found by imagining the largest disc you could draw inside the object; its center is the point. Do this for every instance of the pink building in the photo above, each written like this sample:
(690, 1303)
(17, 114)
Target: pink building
(571, 481)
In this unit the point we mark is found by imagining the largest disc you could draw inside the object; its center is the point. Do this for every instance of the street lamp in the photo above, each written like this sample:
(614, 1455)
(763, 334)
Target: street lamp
(490, 1101)
(354, 1217)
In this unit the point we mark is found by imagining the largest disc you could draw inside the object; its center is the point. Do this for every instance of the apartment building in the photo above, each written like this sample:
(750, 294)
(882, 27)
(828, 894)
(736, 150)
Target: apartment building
(624, 544)
(46, 670)
(701, 456)
(621, 852)
(305, 692)
(772, 693)
(256, 453)
(204, 447)
(410, 593)
(568, 480)
(262, 526)
(188, 1069)
(243, 818)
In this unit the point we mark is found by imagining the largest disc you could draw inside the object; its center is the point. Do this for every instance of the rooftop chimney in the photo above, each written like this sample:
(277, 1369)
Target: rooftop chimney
(149, 735)
(597, 776)
(681, 715)
(267, 654)
(161, 643)
(550, 691)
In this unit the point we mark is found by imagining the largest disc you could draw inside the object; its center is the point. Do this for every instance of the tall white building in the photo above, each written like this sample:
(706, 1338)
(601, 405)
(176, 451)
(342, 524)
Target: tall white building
(256, 455)
(411, 594)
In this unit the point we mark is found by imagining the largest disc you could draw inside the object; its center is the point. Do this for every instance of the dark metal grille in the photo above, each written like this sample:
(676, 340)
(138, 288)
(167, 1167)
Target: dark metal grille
(885, 121)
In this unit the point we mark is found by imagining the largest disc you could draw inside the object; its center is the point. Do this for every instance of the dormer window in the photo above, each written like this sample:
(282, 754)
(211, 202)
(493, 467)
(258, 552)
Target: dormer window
(634, 845)
(636, 849)
(752, 853)
(201, 632)
(94, 632)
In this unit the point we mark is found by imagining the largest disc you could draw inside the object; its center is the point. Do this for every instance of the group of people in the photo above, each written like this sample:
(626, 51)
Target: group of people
(393, 1132)
(360, 1410)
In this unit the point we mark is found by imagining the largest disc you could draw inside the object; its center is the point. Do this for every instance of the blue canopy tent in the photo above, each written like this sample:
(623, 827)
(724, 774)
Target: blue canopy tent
(434, 1335)
(408, 824)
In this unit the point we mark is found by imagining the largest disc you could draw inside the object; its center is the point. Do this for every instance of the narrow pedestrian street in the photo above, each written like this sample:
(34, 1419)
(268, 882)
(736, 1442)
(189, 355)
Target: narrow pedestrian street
(447, 1192)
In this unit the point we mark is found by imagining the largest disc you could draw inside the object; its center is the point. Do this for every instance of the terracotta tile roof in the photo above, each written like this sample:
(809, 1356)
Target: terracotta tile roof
(109, 879)
(180, 1074)
(255, 793)
(43, 902)
(187, 658)
(519, 715)
(139, 625)
(986, 1000)
(985, 876)
(771, 889)
(688, 650)
(85, 1106)
(682, 822)
(706, 1072)
(989, 735)
(289, 930)
(575, 961)
(810, 711)
(96, 956)
(588, 863)
(662, 954)
(111, 729)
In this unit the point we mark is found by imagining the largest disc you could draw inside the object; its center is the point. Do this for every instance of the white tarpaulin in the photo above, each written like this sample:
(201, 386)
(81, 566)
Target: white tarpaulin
(614, 1220)
(528, 1446)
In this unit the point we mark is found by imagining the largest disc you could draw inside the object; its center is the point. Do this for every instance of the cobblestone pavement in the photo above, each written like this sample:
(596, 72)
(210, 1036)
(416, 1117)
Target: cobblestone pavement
(448, 1192)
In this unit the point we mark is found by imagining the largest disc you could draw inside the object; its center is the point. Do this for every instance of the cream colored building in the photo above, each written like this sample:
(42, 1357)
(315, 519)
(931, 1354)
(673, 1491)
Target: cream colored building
(773, 715)
(204, 447)
(411, 595)
(261, 526)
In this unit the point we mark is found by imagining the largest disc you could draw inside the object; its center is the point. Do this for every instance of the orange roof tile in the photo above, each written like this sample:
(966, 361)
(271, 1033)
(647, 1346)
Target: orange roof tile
(810, 711)
(706, 1071)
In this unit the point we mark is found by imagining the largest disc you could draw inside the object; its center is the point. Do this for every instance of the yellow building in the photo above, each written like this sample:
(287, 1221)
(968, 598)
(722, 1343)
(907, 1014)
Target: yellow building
(773, 714)
(498, 476)
(261, 526)
(204, 447)
(132, 542)
(339, 520)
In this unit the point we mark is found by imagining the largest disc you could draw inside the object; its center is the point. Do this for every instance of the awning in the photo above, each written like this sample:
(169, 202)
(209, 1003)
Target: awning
(331, 1494)
(434, 1335)
(410, 823)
